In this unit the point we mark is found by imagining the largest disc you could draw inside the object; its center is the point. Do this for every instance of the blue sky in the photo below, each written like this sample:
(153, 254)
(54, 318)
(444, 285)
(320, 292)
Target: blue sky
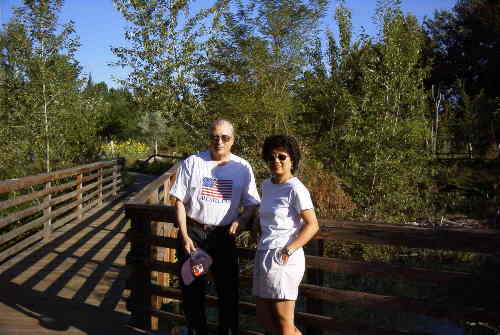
(100, 26)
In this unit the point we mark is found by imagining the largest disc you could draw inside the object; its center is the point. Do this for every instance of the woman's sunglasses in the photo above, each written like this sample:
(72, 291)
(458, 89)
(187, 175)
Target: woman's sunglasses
(272, 158)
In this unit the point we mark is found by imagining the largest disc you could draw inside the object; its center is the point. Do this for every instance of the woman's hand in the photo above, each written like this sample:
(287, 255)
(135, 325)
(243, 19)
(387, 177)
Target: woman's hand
(284, 258)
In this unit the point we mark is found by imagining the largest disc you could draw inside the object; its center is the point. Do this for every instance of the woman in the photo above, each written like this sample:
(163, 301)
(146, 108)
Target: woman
(287, 222)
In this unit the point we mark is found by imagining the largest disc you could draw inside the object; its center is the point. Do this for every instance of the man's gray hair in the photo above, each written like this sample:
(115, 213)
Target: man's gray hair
(220, 122)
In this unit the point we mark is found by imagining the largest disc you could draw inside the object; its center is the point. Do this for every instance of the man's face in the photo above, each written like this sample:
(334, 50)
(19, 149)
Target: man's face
(221, 141)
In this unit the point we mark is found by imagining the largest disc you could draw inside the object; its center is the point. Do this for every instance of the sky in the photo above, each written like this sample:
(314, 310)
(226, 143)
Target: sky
(100, 26)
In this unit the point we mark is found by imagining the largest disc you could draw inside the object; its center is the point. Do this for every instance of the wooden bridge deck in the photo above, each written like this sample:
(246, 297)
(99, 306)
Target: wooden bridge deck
(74, 283)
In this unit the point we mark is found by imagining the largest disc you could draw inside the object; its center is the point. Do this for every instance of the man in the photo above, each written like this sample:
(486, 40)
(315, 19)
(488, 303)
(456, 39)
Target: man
(210, 189)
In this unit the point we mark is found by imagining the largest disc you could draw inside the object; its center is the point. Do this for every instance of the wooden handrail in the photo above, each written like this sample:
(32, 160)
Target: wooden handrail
(154, 186)
(50, 200)
(19, 183)
(149, 212)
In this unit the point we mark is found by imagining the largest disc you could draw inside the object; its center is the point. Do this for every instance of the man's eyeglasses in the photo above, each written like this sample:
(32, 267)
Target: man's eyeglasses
(281, 157)
(224, 138)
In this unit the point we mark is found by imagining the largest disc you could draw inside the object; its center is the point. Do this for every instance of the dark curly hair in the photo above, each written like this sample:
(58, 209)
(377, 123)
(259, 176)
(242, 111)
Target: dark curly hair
(289, 143)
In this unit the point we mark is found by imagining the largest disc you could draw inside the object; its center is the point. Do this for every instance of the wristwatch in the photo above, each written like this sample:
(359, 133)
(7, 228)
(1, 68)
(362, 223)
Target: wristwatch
(288, 251)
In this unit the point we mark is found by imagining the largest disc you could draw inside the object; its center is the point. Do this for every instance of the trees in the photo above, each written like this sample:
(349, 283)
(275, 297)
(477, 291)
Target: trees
(41, 84)
(465, 45)
(370, 105)
(164, 49)
(254, 62)
(119, 115)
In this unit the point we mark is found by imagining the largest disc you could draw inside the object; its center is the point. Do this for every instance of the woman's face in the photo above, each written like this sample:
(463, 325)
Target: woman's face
(280, 162)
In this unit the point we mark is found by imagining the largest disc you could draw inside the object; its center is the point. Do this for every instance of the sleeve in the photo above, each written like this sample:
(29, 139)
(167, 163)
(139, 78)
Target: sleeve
(250, 195)
(181, 185)
(301, 199)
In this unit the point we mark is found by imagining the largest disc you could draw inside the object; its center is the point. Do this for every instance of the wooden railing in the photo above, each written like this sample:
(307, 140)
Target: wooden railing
(151, 258)
(33, 207)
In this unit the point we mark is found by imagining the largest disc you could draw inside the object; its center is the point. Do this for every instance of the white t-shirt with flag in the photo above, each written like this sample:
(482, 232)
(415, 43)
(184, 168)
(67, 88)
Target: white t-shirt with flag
(212, 192)
(279, 212)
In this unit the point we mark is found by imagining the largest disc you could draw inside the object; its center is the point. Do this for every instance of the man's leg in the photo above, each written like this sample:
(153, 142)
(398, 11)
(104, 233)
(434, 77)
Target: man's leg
(226, 276)
(193, 295)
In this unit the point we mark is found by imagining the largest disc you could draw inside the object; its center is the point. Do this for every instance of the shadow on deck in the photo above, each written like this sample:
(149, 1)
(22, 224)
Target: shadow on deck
(74, 283)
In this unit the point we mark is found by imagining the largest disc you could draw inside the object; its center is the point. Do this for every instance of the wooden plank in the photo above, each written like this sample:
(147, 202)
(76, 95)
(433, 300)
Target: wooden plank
(62, 198)
(108, 171)
(179, 317)
(315, 277)
(79, 188)
(161, 241)
(160, 213)
(85, 212)
(384, 270)
(143, 195)
(100, 186)
(141, 256)
(360, 299)
(90, 177)
(482, 241)
(393, 303)
(21, 230)
(18, 183)
(67, 218)
(90, 186)
(34, 195)
(110, 185)
(368, 269)
(21, 245)
(61, 210)
(163, 266)
(22, 214)
(91, 195)
(322, 322)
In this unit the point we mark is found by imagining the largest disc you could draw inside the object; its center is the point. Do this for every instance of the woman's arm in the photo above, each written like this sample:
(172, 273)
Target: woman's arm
(307, 232)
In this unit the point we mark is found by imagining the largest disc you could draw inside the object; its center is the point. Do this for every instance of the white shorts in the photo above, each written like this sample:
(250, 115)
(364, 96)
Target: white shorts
(274, 280)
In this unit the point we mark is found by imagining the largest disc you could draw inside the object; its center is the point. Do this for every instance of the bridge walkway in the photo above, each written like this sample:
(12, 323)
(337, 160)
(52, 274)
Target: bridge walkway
(74, 283)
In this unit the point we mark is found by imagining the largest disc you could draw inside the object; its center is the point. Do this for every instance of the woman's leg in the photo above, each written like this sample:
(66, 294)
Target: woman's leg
(265, 314)
(283, 313)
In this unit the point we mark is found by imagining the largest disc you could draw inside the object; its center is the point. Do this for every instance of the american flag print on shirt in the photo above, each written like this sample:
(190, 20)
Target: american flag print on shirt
(217, 188)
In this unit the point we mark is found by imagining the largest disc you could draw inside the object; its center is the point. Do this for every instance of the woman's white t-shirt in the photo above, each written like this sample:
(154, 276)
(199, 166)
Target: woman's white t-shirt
(279, 211)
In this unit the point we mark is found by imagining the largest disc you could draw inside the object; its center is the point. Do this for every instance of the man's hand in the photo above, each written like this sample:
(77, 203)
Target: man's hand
(189, 245)
(234, 229)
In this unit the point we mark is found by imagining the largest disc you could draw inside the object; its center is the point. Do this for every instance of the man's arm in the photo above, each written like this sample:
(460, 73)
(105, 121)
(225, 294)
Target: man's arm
(180, 211)
(242, 220)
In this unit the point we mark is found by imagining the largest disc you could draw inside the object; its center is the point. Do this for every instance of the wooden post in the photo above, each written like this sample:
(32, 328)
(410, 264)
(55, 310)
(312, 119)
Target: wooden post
(79, 196)
(100, 185)
(315, 277)
(157, 230)
(115, 178)
(141, 280)
(166, 190)
(47, 226)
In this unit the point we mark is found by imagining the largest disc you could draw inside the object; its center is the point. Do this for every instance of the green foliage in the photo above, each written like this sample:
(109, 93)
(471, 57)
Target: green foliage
(464, 46)
(371, 107)
(45, 122)
(164, 50)
(253, 64)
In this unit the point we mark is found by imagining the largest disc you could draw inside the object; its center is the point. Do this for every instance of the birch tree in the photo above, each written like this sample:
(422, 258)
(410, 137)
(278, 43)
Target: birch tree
(164, 49)
(42, 105)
